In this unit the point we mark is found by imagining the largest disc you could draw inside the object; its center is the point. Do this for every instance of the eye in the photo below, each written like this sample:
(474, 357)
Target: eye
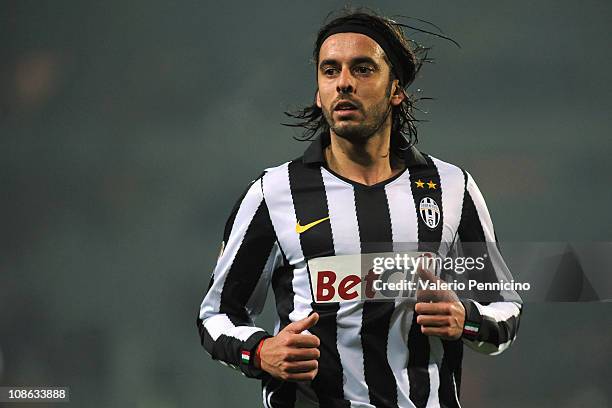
(329, 71)
(363, 70)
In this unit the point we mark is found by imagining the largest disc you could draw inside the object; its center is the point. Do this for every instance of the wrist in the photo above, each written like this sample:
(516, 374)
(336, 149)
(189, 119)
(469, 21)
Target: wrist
(257, 361)
(473, 320)
(247, 355)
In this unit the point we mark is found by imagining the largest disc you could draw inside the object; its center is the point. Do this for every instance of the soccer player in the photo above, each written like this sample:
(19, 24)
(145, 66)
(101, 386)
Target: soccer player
(360, 182)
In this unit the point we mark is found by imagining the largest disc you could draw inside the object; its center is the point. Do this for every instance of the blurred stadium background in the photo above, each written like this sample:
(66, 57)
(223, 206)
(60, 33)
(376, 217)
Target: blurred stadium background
(128, 130)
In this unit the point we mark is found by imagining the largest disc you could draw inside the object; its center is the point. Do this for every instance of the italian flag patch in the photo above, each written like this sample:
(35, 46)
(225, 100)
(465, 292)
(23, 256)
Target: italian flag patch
(246, 356)
(470, 328)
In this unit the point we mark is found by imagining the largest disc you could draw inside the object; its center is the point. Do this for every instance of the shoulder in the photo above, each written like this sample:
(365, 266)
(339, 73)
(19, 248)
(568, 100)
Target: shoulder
(255, 186)
(450, 174)
(458, 180)
(289, 172)
(278, 169)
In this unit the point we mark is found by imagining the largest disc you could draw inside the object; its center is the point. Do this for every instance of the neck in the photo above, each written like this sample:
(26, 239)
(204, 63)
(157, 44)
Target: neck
(366, 163)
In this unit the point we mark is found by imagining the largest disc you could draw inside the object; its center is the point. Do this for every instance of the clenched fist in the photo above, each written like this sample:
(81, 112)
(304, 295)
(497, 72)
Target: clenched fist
(292, 355)
(440, 312)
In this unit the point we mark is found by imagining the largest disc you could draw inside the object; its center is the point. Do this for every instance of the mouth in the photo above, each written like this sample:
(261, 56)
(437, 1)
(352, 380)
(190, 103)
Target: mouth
(345, 106)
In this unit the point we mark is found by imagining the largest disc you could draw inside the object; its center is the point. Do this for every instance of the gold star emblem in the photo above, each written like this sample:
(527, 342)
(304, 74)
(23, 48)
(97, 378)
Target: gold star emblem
(431, 185)
(419, 184)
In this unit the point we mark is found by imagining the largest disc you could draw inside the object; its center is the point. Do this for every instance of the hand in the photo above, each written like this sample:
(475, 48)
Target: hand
(292, 355)
(440, 313)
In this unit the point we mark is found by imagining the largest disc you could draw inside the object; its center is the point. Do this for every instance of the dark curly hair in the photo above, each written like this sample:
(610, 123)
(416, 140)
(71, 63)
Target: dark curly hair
(412, 56)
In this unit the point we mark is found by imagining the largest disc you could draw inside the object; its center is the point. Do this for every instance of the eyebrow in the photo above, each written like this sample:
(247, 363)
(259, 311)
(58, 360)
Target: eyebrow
(354, 61)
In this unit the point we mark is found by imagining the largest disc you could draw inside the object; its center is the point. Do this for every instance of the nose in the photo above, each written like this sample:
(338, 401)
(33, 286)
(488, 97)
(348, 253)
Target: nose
(345, 82)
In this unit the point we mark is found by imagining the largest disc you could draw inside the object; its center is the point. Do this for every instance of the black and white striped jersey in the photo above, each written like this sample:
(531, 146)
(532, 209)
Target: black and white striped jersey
(373, 354)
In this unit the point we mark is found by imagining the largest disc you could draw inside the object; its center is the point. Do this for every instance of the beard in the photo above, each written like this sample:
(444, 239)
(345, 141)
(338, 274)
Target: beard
(360, 132)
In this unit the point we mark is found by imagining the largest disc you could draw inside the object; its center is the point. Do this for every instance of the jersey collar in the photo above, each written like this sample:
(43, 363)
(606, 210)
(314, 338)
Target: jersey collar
(314, 153)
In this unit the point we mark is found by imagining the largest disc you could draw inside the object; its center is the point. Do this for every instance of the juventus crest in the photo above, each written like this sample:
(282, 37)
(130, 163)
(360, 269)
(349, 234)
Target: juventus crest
(430, 212)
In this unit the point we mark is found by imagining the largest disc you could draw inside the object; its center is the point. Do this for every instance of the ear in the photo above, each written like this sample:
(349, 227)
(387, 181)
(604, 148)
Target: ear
(318, 99)
(397, 95)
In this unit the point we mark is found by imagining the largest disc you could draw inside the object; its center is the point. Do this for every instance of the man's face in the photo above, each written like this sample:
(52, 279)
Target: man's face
(355, 88)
